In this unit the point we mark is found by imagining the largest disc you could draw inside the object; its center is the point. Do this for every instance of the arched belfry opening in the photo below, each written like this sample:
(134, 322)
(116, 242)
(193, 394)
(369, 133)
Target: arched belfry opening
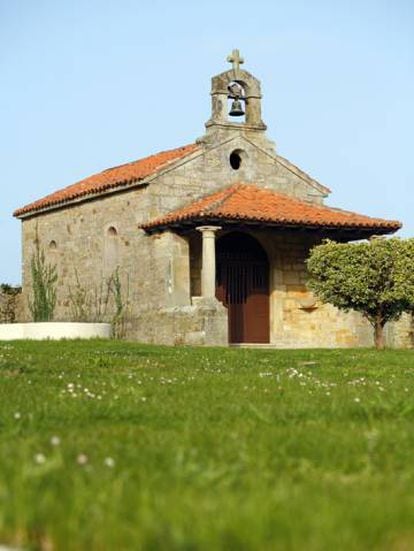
(236, 98)
(242, 285)
(236, 101)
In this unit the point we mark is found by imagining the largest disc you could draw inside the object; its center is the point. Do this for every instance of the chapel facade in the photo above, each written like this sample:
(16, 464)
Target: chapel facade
(207, 242)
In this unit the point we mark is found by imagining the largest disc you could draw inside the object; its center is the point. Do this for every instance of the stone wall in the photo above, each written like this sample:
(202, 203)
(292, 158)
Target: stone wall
(209, 170)
(298, 320)
(400, 334)
(10, 304)
(202, 323)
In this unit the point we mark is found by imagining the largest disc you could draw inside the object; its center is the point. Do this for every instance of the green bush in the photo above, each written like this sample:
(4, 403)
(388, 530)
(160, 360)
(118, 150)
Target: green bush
(375, 278)
(44, 279)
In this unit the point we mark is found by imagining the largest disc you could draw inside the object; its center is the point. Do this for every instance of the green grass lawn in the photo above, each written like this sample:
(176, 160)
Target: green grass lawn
(108, 445)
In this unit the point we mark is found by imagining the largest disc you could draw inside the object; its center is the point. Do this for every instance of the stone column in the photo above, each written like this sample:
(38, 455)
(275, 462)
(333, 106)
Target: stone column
(208, 271)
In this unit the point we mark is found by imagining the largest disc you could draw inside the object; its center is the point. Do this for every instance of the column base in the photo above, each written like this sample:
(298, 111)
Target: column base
(207, 303)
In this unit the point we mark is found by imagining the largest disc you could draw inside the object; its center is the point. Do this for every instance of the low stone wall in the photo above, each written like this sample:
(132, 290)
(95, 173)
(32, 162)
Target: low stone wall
(203, 323)
(400, 334)
(54, 330)
(10, 303)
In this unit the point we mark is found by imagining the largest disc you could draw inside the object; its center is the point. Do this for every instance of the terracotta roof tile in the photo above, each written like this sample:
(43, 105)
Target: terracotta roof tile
(251, 204)
(109, 179)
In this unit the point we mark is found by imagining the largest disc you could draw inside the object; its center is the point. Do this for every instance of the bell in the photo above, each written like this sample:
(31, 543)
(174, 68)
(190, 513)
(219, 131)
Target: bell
(236, 109)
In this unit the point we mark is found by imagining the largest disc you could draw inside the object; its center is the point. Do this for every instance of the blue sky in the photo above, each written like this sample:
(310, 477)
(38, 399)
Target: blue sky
(91, 84)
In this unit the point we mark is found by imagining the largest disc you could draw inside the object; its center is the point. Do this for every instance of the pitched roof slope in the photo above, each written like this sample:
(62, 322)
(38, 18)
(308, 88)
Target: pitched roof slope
(249, 203)
(111, 178)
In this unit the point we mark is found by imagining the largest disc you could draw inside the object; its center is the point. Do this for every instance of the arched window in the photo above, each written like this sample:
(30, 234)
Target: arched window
(52, 245)
(111, 252)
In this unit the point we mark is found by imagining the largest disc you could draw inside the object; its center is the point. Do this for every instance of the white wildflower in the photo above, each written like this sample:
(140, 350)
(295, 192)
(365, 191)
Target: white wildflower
(109, 462)
(82, 459)
(39, 458)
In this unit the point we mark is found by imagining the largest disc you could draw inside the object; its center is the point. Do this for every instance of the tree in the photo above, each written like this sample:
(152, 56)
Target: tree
(44, 278)
(375, 278)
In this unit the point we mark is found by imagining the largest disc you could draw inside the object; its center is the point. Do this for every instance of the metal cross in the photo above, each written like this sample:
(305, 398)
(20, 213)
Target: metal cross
(235, 59)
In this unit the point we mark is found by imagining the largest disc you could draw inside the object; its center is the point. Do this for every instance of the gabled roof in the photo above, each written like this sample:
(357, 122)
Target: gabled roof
(109, 179)
(250, 204)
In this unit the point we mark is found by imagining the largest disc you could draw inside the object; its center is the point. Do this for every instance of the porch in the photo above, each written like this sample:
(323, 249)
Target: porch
(243, 252)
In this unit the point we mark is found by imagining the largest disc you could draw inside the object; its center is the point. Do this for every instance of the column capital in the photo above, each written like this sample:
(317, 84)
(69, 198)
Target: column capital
(203, 229)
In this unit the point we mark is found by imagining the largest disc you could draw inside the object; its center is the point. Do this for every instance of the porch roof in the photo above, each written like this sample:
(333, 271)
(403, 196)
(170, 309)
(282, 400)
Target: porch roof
(248, 204)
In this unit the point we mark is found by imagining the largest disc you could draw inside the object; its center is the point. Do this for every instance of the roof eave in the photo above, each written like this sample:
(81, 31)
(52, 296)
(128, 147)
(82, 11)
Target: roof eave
(119, 188)
(191, 223)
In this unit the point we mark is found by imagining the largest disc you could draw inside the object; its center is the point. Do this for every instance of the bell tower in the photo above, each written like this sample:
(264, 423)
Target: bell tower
(235, 93)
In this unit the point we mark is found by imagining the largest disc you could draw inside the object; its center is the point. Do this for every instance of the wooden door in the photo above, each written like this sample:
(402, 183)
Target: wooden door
(243, 287)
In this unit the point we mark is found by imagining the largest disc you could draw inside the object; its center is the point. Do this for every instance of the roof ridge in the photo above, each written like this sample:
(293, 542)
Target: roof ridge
(227, 193)
(129, 163)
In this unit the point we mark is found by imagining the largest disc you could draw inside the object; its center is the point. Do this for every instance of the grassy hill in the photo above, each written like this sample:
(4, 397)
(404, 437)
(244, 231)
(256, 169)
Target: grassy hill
(108, 445)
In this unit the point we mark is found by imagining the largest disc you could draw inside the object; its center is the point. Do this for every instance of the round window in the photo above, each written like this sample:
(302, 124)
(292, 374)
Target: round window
(235, 159)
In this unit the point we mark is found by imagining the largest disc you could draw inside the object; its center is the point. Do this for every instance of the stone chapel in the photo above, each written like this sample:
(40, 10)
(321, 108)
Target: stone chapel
(209, 240)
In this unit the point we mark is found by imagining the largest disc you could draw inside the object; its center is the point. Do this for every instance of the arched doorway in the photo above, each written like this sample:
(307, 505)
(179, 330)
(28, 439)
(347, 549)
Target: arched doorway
(242, 285)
